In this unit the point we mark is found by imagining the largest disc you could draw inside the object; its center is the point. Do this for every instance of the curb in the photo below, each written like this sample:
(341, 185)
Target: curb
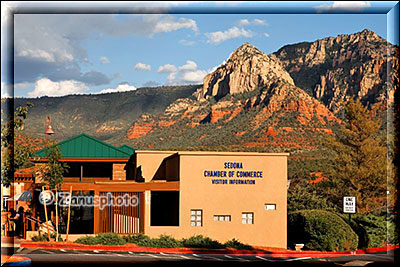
(133, 248)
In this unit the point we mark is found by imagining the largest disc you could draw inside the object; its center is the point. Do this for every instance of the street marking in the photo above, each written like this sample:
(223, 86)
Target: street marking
(184, 257)
(47, 251)
(297, 259)
(96, 251)
(207, 257)
(62, 250)
(19, 250)
(259, 257)
(230, 257)
(152, 255)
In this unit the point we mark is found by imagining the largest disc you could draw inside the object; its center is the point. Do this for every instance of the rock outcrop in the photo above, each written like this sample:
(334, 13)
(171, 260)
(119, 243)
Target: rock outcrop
(246, 70)
(279, 102)
(335, 69)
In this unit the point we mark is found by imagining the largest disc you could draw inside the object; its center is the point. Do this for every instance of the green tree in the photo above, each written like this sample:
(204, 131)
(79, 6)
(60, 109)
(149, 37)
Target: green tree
(53, 173)
(359, 160)
(12, 156)
(304, 196)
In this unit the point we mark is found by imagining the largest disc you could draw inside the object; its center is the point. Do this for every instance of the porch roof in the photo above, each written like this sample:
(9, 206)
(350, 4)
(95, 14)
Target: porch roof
(85, 146)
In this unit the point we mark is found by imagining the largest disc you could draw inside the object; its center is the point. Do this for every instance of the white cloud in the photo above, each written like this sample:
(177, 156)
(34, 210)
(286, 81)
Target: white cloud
(52, 45)
(169, 24)
(104, 60)
(266, 34)
(196, 76)
(187, 73)
(246, 22)
(142, 66)
(260, 22)
(46, 87)
(167, 68)
(243, 22)
(190, 65)
(187, 43)
(120, 88)
(344, 6)
(234, 32)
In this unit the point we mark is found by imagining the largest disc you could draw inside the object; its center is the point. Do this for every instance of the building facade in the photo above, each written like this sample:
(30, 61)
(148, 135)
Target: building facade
(222, 195)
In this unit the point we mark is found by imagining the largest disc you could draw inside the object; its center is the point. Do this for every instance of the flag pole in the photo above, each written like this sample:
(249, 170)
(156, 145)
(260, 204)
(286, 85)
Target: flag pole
(69, 211)
(56, 206)
(45, 213)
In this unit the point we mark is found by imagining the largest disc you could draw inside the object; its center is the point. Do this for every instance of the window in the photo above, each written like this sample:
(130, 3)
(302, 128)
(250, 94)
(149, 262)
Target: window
(270, 206)
(164, 208)
(221, 218)
(5, 204)
(196, 217)
(247, 217)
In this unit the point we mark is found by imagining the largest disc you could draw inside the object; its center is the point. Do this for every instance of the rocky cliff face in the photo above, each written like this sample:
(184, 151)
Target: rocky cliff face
(336, 68)
(250, 102)
(279, 102)
(246, 69)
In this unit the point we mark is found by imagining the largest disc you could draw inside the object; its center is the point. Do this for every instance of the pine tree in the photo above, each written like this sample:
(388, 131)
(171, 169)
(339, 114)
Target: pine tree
(359, 160)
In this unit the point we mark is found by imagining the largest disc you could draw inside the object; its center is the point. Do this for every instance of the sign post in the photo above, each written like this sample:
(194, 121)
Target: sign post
(349, 206)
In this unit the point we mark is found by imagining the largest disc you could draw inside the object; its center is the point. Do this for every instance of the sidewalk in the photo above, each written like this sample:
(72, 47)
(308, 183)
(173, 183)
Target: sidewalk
(272, 252)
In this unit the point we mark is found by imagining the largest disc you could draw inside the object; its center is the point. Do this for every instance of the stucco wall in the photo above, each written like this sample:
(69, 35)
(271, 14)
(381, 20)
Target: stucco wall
(197, 192)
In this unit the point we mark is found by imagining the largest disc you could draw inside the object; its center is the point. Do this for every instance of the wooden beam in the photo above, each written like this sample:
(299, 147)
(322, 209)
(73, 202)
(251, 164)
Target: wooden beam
(96, 217)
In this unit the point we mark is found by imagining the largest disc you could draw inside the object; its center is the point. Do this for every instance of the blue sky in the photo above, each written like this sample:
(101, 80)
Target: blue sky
(60, 54)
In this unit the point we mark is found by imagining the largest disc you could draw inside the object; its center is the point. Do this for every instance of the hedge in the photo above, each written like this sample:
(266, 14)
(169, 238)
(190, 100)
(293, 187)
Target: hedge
(163, 241)
(320, 230)
(373, 230)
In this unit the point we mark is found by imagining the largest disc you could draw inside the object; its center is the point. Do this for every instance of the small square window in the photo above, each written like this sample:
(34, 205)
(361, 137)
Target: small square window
(196, 218)
(222, 218)
(270, 206)
(247, 218)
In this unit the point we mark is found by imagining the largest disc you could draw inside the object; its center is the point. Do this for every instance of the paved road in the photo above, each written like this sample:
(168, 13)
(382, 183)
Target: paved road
(45, 257)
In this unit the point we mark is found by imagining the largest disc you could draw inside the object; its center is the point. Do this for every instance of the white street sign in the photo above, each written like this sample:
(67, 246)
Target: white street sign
(349, 204)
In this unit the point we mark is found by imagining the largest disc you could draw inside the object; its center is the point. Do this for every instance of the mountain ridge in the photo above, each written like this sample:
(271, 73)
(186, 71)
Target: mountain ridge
(284, 101)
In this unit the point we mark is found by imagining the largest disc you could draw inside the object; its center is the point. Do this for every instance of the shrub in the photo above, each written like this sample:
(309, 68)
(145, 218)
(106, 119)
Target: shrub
(102, 239)
(320, 230)
(199, 241)
(233, 243)
(110, 239)
(138, 239)
(372, 230)
(87, 240)
(44, 237)
(165, 241)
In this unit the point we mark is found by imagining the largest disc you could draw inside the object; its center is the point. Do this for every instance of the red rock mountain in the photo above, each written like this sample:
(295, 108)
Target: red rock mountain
(334, 69)
(250, 102)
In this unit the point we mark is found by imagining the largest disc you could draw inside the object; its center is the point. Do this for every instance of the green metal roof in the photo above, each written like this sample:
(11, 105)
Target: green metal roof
(85, 146)
(127, 149)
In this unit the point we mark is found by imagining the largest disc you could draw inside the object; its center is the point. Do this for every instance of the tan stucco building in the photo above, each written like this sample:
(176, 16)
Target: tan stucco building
(221, 195)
